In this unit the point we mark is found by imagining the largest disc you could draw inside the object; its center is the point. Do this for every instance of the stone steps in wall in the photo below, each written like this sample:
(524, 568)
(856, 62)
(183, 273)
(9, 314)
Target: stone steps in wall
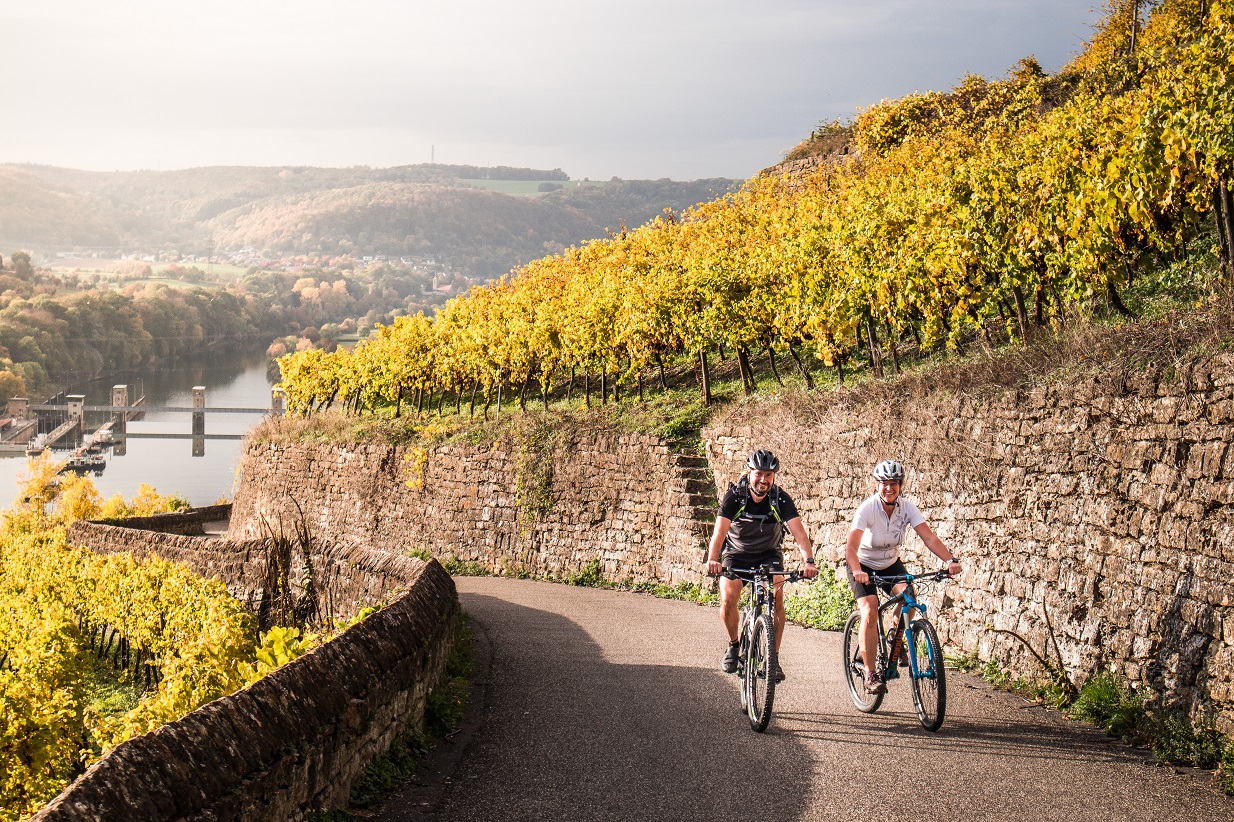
(705, 514)
(706, 500)
(698, 476)
(698, 485)
(700, 488)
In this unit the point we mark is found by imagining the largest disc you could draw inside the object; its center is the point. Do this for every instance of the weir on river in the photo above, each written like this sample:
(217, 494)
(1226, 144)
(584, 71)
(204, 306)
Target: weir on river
(71, 434)
(153, 451)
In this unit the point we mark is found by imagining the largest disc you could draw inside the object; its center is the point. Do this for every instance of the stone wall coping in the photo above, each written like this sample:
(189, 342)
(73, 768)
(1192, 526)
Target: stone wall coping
(189, 521)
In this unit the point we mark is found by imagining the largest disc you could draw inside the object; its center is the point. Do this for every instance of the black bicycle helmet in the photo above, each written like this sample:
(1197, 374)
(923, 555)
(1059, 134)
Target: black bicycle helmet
(762, 460)
(888, 470)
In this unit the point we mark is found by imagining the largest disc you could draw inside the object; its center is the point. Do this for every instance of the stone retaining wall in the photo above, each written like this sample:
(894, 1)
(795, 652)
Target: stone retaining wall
(297, 739)
(626, 500)
(1106, 501)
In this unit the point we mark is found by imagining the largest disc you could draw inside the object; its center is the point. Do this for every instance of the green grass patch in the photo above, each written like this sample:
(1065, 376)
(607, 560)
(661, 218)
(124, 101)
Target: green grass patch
(683, 592)
(823, 604)
(443, 713)
(109, 693)
(456, 567)
(1120, 710)
(1110, 704)
(591, 576)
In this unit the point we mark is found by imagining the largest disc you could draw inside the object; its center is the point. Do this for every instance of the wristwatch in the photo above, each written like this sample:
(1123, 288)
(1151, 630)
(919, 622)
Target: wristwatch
(810, 561)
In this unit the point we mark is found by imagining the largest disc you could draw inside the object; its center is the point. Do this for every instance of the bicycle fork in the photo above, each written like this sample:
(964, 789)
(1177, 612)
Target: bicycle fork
(743, 649)
(914, 664)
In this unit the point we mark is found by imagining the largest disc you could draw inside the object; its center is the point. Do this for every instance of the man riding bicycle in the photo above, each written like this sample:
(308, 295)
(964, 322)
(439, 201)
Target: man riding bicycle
(873, 547)
(749, 532)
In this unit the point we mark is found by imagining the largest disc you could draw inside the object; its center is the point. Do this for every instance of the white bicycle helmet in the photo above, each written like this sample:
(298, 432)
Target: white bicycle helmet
(889, 470)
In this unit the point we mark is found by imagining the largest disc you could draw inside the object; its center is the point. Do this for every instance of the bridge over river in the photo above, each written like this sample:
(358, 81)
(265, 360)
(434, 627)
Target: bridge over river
(604, 705)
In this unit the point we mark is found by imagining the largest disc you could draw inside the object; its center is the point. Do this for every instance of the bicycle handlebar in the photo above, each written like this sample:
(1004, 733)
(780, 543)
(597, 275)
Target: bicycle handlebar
(937, 576)
(766, 572)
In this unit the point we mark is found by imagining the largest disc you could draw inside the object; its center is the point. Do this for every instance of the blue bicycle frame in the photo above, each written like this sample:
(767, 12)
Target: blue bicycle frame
(906, 599)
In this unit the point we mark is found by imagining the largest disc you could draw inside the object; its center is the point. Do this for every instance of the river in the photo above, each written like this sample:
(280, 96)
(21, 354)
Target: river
(231, 381)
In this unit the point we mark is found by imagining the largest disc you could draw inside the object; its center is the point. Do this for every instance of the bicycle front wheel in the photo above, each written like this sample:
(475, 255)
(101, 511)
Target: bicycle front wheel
(930, 681)
(855, 667)
(741, 666)
(760, 681)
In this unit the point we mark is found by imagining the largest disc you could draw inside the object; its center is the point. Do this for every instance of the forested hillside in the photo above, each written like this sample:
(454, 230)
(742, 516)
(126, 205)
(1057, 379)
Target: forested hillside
(57, 326)
(426, 210)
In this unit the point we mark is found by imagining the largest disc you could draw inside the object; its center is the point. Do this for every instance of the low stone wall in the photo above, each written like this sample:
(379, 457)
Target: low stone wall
(298, 738)
(626, 500)
(1106, 501)
(179, 522)
(346, 578)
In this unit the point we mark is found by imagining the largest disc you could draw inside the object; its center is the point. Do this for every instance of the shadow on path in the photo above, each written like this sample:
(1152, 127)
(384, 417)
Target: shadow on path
(568, 735)
(1030, 740)
(602, 705)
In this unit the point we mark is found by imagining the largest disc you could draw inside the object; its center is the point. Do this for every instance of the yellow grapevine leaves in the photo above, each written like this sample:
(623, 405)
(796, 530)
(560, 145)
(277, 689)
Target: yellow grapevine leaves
(954, 209)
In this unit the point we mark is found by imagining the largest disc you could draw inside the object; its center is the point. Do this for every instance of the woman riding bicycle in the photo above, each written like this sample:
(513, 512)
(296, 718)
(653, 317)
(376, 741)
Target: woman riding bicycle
(879, 525)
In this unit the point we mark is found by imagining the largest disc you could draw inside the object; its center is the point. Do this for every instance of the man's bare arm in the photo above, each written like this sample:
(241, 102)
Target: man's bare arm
(718, 535)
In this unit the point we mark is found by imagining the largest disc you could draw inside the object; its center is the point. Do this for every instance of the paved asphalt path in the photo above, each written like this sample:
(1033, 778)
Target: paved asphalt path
(605, 705)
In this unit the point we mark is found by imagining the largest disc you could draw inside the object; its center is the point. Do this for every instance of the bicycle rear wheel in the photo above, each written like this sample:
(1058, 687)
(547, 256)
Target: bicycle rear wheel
(930, 681)
(855, 667)
(760, 681)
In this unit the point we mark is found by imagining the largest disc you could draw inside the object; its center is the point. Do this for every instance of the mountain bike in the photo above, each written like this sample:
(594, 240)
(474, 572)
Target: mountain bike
(757, 661)
(898, 630)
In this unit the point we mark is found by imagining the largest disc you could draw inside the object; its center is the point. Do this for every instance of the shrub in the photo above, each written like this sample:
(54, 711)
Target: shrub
(825, 604)
(1225, 775)
(1178, 740)
(591, 576)
(1108, 704)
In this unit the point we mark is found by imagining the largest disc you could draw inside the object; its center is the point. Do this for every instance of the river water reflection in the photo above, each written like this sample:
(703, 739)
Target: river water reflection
(233, 381)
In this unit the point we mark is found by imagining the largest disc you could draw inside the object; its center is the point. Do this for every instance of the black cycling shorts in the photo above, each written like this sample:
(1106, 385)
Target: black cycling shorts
(868, 590)
(751, 562)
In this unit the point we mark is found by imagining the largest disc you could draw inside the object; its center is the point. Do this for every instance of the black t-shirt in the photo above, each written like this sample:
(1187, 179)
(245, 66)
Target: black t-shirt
(756, 528)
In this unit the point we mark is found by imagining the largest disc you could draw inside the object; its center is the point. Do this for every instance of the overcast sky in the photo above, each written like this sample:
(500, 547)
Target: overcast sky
(635, 89)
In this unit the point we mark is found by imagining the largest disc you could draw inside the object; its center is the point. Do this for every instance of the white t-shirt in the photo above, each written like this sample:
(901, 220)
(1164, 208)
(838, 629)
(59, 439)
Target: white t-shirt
(883, 535)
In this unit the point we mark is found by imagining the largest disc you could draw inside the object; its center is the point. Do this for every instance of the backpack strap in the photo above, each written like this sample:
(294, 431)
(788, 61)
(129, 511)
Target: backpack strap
(743, 487)
(775, 507)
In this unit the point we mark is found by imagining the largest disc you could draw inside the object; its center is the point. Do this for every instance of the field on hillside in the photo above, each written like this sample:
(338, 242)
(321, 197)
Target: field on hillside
(528, 188)
(102, 266)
